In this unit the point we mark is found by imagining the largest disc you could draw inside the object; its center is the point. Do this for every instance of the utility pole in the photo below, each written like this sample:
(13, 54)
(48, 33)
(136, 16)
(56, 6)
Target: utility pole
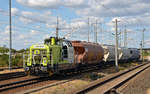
(125, 37)
(116, 46)
(88, 30)
(143, 44)
(57, 28)
(101, 33)
(10, 36)
(141, 52)
(143, 38)
(96, 32)
(120, 38)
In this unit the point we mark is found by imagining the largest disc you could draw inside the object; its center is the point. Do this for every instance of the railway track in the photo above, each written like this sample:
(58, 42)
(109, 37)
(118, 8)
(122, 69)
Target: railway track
(2, 69)
(11, 75)
(110, 84)
(63, 79)
(31, 83)
(26, 85)
(15, 85)
(34, 84)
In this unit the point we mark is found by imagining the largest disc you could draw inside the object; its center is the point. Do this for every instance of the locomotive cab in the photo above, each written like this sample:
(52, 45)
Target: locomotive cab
(67, 51)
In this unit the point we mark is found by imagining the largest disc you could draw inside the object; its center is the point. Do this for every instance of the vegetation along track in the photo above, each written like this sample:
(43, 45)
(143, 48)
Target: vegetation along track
(110, 84)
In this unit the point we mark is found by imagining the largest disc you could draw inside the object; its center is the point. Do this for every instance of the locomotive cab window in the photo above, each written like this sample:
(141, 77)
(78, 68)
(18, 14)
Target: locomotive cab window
(65, 50)
(131, 52)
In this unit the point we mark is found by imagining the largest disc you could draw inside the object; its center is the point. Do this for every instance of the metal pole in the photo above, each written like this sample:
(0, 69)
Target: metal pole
(116, 46)
(143, 37)
(143, 44)
(141, 51)
(10, 36)
(88, 30)
(120, 38)
(96, 32)
(101, 33)
(94, 25)
(57, 28)
(125, 37)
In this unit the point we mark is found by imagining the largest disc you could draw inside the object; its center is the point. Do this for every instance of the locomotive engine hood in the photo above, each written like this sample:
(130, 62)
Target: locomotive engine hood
(38, 55)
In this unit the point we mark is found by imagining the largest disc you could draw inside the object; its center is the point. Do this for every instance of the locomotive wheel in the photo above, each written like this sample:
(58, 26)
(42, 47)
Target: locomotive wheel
(28, 73)
(50, 73)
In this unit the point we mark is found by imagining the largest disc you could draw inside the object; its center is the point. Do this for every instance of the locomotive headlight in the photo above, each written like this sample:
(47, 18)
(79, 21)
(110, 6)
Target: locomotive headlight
(44, 61)
(28, 62)
(36, 52)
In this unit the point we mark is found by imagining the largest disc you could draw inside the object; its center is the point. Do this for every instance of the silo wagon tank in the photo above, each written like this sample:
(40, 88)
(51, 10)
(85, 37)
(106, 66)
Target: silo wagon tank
(125, 54)
(109, 53)
(87, 53)
(135, 54)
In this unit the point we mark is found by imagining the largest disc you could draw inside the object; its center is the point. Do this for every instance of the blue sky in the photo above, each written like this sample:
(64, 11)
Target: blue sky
(35, 20)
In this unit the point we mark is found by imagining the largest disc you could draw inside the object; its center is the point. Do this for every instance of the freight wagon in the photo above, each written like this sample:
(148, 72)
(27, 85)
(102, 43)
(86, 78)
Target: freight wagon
(61, 56)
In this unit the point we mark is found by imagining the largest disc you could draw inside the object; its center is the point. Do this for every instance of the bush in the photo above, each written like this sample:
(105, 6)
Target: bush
(17, 61)
(146, 54)
(95, 76)
(4, 60)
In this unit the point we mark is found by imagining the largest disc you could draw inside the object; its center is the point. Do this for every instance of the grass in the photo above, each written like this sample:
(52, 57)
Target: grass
(146, 54)
(17, 61)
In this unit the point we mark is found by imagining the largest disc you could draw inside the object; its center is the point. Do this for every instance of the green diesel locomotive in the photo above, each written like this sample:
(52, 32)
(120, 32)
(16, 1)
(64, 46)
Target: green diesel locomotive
(54, 56)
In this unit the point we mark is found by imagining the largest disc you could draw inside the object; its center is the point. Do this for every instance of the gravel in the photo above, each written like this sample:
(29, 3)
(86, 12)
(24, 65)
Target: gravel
(139, 85)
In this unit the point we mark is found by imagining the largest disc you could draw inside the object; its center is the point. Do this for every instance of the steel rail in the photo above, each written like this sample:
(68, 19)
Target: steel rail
(102, 86)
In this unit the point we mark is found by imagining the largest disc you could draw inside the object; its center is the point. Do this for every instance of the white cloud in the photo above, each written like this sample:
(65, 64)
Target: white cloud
(53, 4)
(109, 8)
(147, 42)
(123, 10)
(103, 8)
(95, 8)
(34, 32)
(40, 4)
(14, 11)
(131, 21)
(25, 20)
(75, 3)
(46, 18)
(26, 17)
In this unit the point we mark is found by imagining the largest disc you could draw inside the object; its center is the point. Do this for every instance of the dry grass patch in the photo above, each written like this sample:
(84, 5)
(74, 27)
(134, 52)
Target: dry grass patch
(63, 88)
(9, 71)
